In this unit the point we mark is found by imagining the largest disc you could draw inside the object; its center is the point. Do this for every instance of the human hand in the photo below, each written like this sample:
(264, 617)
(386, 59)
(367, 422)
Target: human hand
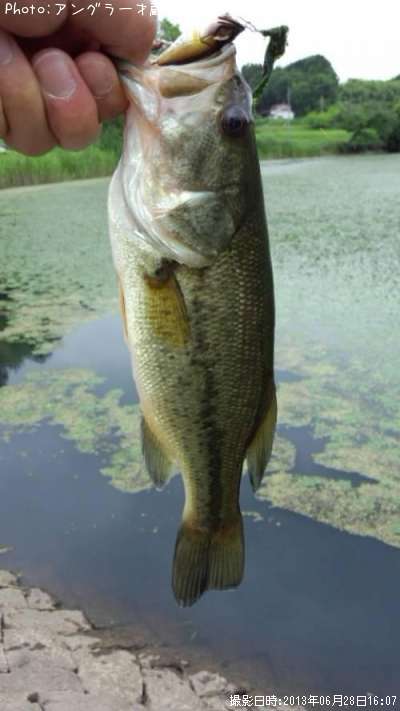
(56, 82)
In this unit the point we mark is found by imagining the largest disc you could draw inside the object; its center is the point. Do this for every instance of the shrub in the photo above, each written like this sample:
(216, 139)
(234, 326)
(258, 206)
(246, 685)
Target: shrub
(363, 139)
(323, 119)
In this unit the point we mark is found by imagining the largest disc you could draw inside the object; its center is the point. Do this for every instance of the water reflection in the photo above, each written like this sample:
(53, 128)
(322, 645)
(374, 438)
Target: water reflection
(314, 607)
(13, 356)
(306, 446)
(110, 426)
(98, 342)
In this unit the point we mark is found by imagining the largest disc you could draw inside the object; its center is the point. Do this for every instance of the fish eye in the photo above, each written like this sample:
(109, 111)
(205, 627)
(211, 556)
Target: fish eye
(234, 122)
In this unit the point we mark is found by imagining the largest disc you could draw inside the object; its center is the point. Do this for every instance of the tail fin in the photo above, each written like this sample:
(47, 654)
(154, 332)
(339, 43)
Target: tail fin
(226, 557)
(207, 560)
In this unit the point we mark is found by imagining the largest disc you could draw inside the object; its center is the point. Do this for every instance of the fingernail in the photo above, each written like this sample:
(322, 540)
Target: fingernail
(6, 50)
(99, 80)
(55, 75)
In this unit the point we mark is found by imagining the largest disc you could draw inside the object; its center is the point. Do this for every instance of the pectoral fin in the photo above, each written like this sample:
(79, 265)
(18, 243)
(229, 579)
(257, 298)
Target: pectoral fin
(260, 449)
(166, 310)
(156, 461)
(123, 309)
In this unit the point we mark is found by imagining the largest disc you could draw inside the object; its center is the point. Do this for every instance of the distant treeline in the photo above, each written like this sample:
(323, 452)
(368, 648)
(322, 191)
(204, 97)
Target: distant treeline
(369, 109)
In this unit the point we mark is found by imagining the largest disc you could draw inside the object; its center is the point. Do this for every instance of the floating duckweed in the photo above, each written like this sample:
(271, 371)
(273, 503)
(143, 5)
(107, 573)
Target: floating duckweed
(96, 424)
(358, 425)
(334, 247)
(55, 261)
(254, 515)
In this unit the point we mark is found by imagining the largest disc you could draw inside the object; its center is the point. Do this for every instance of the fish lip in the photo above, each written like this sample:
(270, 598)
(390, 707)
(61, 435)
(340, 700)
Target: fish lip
(229, 50)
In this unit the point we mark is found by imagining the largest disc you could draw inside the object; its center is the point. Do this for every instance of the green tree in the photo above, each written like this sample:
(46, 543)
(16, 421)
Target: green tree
(168, 31)
(371, 105)
(364, 139)
(361, 91)
(311, 84)
(253, 74)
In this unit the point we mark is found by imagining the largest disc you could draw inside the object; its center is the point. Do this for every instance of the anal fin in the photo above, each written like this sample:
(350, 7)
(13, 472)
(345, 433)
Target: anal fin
(157, 463)
(260, 449)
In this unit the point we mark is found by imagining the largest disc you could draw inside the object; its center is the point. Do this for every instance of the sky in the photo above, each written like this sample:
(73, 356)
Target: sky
(361, 38)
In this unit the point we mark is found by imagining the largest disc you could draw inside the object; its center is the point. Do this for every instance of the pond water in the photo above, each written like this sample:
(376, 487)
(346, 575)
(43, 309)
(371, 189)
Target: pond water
(318, 610)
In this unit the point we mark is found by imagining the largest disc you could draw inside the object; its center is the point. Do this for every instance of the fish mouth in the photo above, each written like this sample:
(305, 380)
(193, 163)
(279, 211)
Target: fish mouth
(219, 56)
(208, 57)
(176, 80)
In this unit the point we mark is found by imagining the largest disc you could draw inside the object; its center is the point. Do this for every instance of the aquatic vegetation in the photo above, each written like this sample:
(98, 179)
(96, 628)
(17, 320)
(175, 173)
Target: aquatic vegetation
(334, 250)
(359, 438)
(334, 243)
(97, 424)
(100, 425)
(55, 262)
(5, 549)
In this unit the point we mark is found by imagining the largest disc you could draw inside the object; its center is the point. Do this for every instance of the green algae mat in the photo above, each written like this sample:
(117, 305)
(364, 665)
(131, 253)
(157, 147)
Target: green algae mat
(334, 226)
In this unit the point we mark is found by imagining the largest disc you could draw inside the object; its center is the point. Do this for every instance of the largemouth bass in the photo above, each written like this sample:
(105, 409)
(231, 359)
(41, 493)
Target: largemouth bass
(190, 247)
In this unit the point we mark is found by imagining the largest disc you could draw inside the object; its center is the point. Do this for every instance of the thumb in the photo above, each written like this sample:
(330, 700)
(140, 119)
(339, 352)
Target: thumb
(118, 26)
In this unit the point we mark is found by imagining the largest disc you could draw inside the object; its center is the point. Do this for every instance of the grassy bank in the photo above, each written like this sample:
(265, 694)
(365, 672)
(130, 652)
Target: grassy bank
(281, 139)
(56, 166)
(275, 139)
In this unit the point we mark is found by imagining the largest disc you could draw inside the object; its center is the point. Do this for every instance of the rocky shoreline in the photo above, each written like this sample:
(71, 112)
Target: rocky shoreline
(52, 659)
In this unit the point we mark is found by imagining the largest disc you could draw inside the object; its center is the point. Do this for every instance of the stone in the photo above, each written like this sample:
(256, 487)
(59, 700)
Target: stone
(115, 672)
(61, 622)
(12, 598)
(165, 691)
(17, 702)
(78, 642)
(217, 703)
(3, 661)
(52, 660)
(207, 684)
(39, 600)
(70, 701)
(38, 676)
(54, 655)
(35, 638)
(7, 579)
(147, 661)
